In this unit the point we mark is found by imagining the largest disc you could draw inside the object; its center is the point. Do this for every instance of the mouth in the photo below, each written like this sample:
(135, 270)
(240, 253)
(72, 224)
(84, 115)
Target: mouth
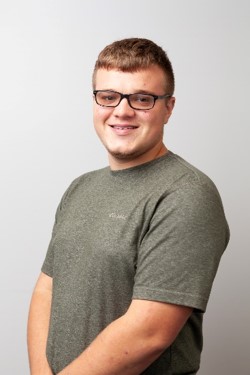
(123, 127)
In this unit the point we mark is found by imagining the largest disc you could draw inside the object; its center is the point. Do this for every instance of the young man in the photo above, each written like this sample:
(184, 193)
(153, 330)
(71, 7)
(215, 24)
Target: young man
(136, 245)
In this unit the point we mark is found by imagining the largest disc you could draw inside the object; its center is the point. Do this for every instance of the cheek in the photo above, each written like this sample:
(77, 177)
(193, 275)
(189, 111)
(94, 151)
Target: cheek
(97, 116)
(100, 114)
(144, 117)
(152, 119)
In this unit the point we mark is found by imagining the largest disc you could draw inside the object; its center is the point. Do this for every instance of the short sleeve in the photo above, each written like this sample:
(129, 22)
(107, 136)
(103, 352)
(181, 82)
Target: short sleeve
(180, 254)
(48, 263)
(47, 266)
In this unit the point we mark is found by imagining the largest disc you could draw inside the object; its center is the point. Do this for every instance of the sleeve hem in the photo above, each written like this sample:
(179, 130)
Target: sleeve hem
(177, 298)
(47, 271)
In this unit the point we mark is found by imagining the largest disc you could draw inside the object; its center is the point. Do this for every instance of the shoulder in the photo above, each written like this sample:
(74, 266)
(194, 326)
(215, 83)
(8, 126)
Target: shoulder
(82, 182)
(188, 172)
(191, 198)
(177, 176)
(89, 176)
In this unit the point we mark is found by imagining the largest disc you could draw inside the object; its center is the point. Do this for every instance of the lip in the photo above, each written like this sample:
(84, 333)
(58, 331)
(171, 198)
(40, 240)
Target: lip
(123, 129)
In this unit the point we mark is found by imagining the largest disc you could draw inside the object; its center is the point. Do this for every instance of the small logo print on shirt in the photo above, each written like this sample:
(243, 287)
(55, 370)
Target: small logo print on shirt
(117, 216)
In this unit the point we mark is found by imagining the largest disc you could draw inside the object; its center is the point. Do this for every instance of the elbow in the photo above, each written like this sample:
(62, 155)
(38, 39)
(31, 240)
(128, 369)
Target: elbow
(158, 344)
(154, 345)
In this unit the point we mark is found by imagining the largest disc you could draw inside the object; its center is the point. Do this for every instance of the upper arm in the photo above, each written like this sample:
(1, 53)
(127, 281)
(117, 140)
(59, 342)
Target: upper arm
(44, 283)
(158, 321)
(180, 253)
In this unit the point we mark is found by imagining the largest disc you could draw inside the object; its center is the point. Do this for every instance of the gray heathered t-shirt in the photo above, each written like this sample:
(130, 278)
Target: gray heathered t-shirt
(156, 232)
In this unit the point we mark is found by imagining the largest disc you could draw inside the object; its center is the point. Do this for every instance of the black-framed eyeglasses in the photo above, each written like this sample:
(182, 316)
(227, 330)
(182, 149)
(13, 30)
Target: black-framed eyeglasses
(109, 98)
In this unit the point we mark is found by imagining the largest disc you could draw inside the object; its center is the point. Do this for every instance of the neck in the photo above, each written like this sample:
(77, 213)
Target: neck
(119, 162)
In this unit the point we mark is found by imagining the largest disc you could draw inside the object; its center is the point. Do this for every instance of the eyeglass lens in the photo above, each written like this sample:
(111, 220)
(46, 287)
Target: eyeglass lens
(136, 101)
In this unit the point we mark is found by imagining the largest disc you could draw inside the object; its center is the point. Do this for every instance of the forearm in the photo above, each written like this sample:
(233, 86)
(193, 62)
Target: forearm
(119, 349)
(131, 343)
(38, 324)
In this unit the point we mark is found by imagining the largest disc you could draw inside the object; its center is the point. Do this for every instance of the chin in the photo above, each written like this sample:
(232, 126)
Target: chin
(124, 155)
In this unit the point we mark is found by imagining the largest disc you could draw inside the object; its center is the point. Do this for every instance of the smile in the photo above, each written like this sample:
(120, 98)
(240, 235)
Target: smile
(119, 127)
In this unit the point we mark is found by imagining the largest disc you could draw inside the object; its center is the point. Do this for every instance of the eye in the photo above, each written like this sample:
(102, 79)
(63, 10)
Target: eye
(107, 97)
(142, 99)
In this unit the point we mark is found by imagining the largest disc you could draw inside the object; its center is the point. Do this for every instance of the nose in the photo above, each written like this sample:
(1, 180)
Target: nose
(123, 108)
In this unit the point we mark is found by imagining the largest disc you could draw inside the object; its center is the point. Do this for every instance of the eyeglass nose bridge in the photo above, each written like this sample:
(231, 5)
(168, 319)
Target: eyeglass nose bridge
(126, 96)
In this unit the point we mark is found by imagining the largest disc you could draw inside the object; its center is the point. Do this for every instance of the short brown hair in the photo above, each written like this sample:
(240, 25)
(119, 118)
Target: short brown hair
(134, 54)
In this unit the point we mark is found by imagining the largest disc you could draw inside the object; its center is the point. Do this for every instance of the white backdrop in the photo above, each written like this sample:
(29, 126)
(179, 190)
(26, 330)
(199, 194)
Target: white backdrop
(47, 52)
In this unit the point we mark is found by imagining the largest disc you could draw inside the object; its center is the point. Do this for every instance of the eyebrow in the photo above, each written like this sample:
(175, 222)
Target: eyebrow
(135, 91)
(144, 92)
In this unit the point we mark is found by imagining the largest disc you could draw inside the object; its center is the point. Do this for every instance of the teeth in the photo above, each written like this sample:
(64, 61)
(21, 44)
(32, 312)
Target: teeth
(123, 127)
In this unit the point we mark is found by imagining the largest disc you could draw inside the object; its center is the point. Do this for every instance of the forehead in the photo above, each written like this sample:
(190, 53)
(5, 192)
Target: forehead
(151, 79)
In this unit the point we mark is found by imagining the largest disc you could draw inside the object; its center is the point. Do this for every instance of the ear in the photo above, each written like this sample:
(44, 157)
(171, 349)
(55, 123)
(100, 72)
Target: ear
(169, 108)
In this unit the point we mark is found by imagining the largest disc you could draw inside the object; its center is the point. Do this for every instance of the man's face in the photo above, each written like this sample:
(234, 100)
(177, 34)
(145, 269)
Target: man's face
(132, 137)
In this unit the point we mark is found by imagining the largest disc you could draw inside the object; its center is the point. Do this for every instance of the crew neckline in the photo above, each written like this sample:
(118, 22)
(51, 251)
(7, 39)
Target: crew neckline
(143, 166)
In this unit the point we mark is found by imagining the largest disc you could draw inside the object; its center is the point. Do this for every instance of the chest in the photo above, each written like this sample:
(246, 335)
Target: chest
(102, 229)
